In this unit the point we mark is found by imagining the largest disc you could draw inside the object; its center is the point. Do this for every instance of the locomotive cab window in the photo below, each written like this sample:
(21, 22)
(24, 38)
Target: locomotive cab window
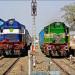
(66, 39)
(46, 29)
(57, 24)
(1, 30)
(22, 30)
(66, 29)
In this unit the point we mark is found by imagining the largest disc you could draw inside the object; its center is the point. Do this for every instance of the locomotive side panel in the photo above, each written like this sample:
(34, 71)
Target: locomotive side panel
(28, 39)
(2, 22)
(41, 39)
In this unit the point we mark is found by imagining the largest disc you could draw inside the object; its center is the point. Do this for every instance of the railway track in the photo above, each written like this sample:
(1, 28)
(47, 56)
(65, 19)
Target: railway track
(46, 65)
(69, 70)
(7, 64)
(4, 62)
(11, 66)
(62, 65)
(21, 67)
(1, 57)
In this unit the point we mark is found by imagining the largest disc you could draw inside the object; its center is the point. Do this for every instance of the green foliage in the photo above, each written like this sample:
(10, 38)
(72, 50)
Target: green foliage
(69, 14)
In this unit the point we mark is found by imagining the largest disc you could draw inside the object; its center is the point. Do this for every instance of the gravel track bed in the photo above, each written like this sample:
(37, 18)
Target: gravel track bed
(6, 64)
(21, 67)
(45, 64)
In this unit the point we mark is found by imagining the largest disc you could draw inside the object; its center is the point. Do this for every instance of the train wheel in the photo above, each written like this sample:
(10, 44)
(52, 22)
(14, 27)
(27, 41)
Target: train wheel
(0, 52)
(4, 54)
(12, 52)
(67, 53)
(42, 50)
(71, 51)
(24, 52)
(74, 52)
(48, 54)
(16, 53)
(28, 47)
(7, 53)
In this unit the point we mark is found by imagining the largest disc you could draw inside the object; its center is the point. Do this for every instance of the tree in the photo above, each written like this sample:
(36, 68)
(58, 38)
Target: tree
(69, 15)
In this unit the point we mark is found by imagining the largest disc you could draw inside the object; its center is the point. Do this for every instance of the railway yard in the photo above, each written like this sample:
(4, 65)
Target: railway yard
(61, 66)
(44, 65)
(43, 47)
(13, 66)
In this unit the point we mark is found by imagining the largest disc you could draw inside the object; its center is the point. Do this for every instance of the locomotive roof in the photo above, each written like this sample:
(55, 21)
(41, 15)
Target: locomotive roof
(2, 22)
(14, 24)
(58, 23)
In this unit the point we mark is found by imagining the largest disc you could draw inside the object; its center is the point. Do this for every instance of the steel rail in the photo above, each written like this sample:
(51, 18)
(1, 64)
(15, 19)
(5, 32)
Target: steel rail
(10, 68)
(60, 67)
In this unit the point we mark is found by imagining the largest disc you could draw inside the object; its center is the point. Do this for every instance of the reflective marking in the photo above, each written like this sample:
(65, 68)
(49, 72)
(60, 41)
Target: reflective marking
(7, 31)
(12, 31)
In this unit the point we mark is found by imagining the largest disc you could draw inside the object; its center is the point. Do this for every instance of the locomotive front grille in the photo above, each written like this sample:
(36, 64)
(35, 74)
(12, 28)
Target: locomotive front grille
(1, 47)
(13, 37)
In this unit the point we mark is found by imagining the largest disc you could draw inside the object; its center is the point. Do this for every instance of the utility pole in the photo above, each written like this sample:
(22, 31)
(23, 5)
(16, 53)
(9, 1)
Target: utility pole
(31, 53)
(34, 14)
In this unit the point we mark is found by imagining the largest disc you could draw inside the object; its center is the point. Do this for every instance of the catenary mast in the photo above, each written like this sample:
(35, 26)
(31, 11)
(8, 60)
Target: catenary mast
(34, 14)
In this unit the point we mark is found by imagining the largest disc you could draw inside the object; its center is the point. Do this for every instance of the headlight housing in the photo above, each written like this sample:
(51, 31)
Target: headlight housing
(74, 37)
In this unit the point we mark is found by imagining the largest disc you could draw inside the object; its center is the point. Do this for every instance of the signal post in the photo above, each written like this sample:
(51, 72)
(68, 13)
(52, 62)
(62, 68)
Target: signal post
(32, 58)
(34, 14)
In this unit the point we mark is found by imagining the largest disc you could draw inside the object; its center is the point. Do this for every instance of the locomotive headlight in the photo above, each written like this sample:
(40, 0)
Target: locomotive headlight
(51, 35)
(11, 21)
(49, 48)
(74, 37)
(66, 47)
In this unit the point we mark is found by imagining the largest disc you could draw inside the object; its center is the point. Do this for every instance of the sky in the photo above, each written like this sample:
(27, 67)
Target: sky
(47, 12)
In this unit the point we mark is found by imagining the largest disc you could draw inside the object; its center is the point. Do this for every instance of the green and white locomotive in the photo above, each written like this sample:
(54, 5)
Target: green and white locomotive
(55, 39)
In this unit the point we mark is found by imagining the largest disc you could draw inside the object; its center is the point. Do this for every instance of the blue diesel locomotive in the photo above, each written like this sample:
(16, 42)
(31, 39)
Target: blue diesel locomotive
(16, 38)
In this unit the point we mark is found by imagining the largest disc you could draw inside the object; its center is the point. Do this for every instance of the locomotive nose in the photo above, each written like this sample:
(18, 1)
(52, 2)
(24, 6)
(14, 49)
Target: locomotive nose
(57, 47)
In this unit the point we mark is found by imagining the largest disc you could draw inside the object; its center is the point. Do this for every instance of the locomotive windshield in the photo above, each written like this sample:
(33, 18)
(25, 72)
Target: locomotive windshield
(13, 37)
(1, 37)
